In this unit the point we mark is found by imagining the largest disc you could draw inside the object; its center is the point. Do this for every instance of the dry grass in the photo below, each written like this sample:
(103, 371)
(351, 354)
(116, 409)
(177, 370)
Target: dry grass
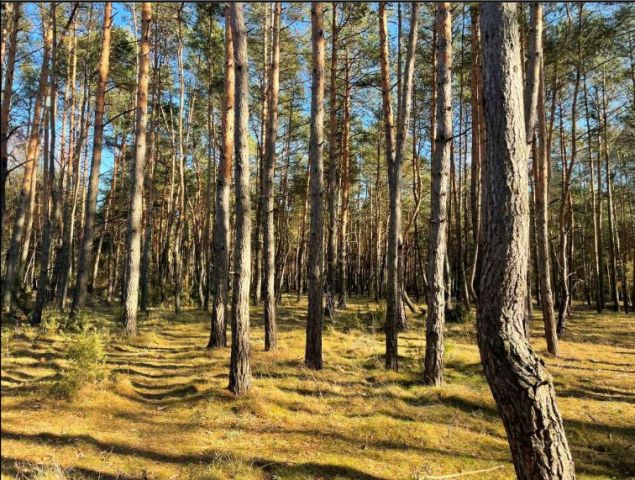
(165, 413)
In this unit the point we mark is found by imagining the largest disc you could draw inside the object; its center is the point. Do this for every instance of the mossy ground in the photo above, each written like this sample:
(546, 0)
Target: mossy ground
(164, 411)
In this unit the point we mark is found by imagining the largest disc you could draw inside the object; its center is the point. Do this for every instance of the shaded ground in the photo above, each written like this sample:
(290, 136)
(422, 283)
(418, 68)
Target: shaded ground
(164, 412)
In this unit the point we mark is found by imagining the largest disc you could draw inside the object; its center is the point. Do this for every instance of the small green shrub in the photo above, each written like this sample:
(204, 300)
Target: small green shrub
(458, 314)
(86, 355)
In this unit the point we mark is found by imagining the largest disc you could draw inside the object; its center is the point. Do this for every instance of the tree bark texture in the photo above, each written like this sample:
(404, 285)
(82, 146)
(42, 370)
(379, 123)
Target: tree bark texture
(519, 382)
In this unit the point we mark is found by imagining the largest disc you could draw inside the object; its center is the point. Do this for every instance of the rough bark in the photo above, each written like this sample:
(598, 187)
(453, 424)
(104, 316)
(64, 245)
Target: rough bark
(133, 256)
(437, 245)
(520, 384)
(218, 334)
(239, 370)
(313, 348)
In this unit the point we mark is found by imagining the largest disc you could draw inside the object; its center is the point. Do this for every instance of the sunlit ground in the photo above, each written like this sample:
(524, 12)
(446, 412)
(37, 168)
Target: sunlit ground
(164, 411)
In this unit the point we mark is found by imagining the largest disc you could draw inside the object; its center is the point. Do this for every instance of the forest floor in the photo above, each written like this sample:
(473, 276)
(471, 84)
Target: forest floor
(164, 412)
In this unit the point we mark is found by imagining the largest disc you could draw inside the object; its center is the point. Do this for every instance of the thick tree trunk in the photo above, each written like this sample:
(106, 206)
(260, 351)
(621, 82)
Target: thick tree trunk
(269, 250)
(84, 268)
(13, 252)
(218, 334)
(437, 246)
(521, 387)
(133, 260)
(240, 370)
(313, 348)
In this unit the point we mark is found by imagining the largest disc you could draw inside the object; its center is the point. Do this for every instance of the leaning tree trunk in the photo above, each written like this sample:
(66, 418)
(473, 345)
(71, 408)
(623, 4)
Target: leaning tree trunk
(239, 370)
(313, 347)
(13, 252)
(86, 250)
(218, 334)
(521, 386)
(133, 257)
(269, 250)
(437, 245)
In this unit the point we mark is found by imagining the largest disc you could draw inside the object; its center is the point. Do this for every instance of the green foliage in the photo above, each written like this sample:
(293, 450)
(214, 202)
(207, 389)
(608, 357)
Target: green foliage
(86, 356)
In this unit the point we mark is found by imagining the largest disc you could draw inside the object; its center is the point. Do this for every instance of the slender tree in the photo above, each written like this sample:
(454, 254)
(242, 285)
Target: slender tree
(133, 256)
(535, 124)
(393, 299)
(613, 249)
(50, 210)
(521, 386)
(331, 246)
(239, 370)
(218, 335)
(13, 252)
(437, 245)
(269, 250)
(84, 268)
(313, 350)
(7, 93)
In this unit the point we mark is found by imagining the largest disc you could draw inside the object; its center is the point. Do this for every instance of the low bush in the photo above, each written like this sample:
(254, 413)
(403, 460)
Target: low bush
(86, 356)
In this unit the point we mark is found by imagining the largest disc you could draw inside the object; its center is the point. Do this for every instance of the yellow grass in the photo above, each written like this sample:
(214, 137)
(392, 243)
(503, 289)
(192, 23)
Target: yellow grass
(164, 411)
